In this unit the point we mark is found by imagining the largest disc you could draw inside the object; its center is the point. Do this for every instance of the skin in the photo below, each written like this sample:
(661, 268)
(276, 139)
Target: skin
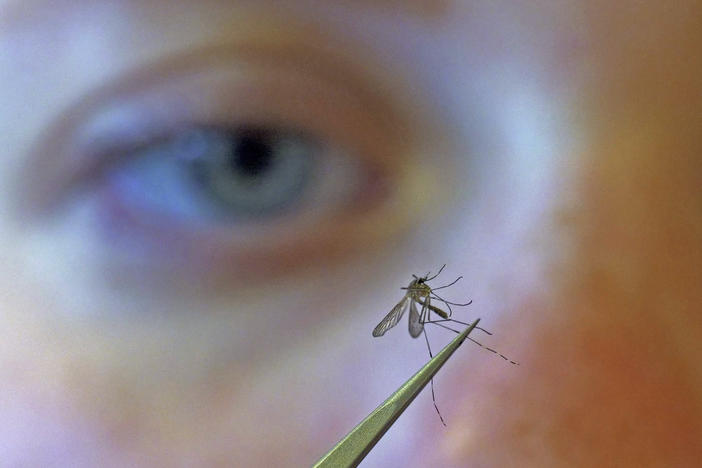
(548, 153)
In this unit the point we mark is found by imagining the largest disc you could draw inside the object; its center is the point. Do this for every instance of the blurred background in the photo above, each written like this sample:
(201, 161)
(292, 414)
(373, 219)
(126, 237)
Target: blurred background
(206, 208)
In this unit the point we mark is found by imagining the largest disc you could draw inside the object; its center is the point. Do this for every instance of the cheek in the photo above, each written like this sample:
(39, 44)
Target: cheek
(33, 372)
(607, 341)
(609, 344)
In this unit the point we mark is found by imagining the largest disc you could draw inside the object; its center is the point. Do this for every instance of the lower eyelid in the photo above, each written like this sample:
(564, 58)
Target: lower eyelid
(182, 252)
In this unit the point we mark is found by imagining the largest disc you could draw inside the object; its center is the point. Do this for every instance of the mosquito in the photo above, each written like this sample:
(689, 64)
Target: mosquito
(419, 292)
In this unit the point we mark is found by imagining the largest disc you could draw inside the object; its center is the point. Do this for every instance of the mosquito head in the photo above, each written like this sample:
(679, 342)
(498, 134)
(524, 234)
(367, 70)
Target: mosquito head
(418, 281)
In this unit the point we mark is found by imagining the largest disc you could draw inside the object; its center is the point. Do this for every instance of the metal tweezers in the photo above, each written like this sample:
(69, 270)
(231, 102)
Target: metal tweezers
(353, 448)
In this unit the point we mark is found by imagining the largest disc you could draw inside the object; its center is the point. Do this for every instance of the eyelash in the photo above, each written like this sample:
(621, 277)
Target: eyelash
(223, 92)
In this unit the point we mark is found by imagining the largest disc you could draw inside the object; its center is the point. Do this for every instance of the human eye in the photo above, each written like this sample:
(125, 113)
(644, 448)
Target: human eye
(244, 174)
(230, 161)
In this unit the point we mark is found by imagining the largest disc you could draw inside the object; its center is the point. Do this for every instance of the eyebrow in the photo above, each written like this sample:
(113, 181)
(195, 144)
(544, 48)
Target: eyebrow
(419, 8)
(14, 10)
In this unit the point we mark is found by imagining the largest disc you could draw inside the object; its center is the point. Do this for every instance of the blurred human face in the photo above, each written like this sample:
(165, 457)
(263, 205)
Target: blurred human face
(206, 207)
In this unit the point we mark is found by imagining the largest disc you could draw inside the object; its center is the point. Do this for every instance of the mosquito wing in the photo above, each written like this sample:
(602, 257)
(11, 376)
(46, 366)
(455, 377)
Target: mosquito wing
(393, 317)
(415, 324)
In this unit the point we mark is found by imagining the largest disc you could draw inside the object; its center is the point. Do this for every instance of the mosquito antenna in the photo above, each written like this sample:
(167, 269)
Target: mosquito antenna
(433, 397)
(478, 343)
(437, 274)
(414, 276)
(447, 285)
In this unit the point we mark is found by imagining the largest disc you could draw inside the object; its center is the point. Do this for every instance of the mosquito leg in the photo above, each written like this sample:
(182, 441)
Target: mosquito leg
(462, 323)
(436, 322)
(437, 274)
(450, 312)
(493, 351)
(436, 310)
(449, 302)
(431, 355)
(450, 284)
(431, 382)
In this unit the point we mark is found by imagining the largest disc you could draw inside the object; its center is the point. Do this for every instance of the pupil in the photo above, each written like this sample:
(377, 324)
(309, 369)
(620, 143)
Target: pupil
(252, 153)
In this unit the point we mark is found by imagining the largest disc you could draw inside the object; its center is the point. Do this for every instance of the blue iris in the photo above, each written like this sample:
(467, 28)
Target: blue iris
(243, 172)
